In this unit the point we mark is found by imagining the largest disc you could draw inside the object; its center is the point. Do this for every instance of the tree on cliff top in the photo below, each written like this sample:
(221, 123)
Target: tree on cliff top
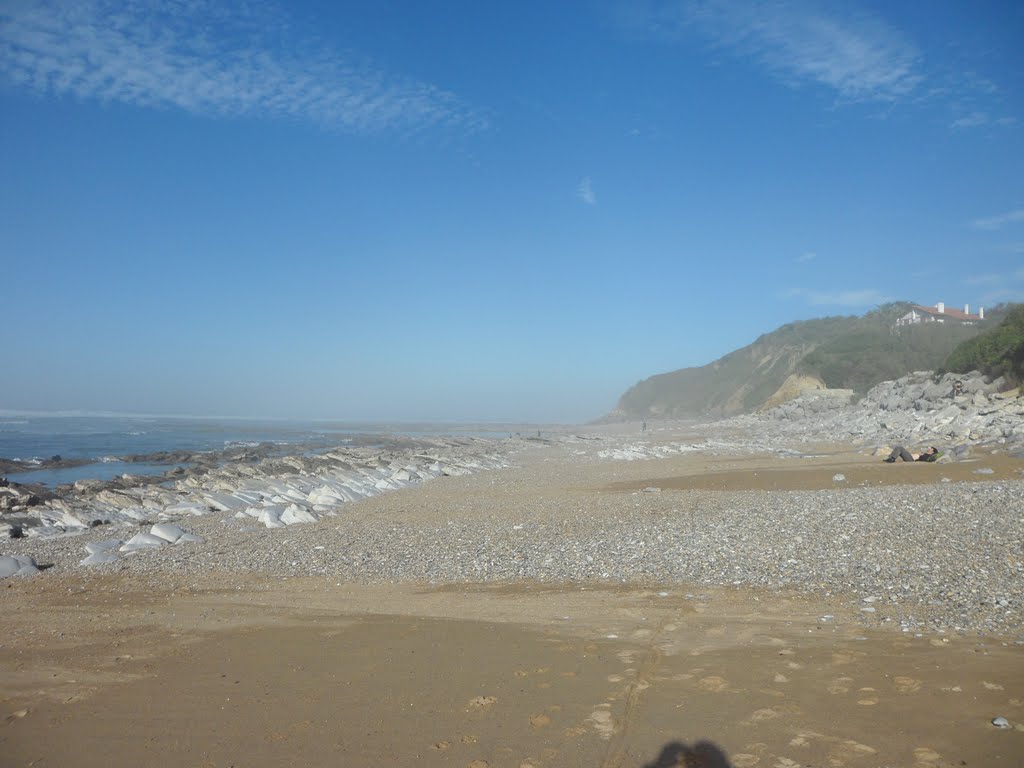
(996, 352)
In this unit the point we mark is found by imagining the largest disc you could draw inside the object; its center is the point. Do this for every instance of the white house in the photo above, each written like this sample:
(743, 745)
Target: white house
(940, 314)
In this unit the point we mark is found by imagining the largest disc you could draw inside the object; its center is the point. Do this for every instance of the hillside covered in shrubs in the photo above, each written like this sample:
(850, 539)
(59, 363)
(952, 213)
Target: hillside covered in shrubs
(997, 351)
(853, 352)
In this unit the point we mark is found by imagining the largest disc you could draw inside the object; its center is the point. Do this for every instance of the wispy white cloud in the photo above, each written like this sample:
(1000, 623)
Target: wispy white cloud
(992, 223)
(999, 295)
(868, 297)
(585, 192)
(973, 120)
(979, 119)
(856, 54)
(989, 279)
(861, 298)
(196, 56)
(997, 287)
(803, 258)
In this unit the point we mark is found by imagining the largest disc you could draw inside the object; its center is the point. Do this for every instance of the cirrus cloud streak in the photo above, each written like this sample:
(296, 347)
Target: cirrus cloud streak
(192, 55)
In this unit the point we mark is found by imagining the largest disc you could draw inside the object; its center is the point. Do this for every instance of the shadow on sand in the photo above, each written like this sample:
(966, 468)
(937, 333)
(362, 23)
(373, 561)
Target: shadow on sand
(703, 754)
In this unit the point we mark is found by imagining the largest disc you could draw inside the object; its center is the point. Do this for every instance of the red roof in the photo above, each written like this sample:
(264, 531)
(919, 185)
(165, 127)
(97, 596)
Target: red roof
(955, 314)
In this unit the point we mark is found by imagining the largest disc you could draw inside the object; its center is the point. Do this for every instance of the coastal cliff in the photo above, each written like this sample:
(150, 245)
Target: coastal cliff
(854, 353)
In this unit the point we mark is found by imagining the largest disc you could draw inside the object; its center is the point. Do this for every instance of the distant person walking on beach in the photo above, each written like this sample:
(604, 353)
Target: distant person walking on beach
(899, 452)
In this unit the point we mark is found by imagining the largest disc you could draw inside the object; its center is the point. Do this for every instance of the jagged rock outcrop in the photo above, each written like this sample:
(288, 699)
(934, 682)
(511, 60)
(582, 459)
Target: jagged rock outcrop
(274, 492)
(918, 408)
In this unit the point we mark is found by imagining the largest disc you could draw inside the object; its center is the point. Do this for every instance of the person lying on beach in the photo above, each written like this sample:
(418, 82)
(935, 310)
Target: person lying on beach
(899, 452)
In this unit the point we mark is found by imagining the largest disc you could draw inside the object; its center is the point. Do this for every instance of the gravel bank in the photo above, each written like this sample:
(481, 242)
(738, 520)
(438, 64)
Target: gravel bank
(948, 556)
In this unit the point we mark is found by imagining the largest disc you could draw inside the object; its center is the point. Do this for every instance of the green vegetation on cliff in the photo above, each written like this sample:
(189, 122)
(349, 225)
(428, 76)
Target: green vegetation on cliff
(841, 352)
(997, 351)
(872, 349)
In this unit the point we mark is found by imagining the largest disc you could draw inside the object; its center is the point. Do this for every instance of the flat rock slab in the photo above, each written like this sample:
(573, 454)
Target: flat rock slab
(143, 541)
(17, 565)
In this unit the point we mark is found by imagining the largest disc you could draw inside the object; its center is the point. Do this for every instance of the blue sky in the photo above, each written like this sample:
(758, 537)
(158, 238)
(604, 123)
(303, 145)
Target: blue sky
(464, 210)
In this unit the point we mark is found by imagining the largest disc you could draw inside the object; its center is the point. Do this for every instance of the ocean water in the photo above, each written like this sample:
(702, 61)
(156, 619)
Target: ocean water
(98, 437)
(102, 440)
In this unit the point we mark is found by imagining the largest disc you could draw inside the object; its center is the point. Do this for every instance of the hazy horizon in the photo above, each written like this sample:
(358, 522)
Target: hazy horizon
(496, 213)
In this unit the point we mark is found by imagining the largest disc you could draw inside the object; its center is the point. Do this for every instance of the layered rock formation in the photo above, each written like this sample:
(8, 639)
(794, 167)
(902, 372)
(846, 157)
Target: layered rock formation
(274, 492)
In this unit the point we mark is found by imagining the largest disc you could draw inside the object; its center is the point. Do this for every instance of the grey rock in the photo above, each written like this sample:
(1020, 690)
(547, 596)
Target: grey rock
(143, 541)
(102, 546)
(1000, 722)
(101, 557)
(17, 565)
(167, 531)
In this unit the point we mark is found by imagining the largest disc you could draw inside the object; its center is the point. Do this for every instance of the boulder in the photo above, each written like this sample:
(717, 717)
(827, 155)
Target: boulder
(102, 546)
(143, 541)
(170, 533)
(271, 517)
(101, 557)
(17, 565)
(296, 514)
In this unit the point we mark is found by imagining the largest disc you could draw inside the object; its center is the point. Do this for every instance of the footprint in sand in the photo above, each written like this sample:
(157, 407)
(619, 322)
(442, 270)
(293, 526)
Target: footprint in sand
(867, 700)
(539, 721)
(925, 757)
(713, 684)
(840, 751)
(745, 760)
(847, 750)
(440, 746)
(763, 715)
(842, 657)
(601, 720)
(907, 684)
(840, 685)
(478, 702)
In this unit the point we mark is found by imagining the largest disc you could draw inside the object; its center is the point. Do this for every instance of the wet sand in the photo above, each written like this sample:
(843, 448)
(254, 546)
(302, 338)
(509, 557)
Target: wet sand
(235, 669)
(815, 472)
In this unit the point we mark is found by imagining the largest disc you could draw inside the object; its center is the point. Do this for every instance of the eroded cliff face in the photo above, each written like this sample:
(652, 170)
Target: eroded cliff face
(740, 382)
(793, 387)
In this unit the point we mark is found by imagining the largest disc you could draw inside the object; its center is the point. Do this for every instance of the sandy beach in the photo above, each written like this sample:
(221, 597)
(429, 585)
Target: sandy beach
(179, 663)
